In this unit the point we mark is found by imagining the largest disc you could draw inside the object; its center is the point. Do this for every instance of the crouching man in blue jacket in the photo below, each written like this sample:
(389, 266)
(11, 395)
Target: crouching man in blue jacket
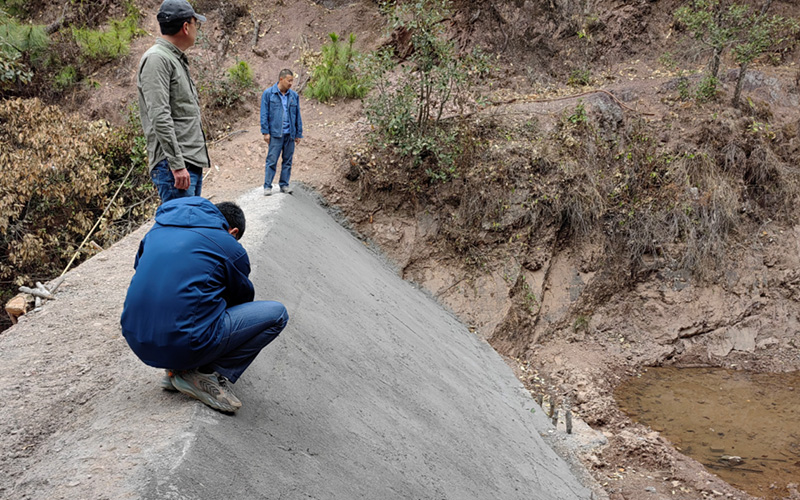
(189, 307)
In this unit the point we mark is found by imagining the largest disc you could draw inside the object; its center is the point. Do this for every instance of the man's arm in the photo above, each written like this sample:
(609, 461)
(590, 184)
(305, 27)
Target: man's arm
(299, 124)
(239, 289)
(155, 78)
(138, 254)
(265, 115)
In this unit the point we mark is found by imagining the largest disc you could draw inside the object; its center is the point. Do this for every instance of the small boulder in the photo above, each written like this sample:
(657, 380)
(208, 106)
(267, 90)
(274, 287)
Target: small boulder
(18, 306)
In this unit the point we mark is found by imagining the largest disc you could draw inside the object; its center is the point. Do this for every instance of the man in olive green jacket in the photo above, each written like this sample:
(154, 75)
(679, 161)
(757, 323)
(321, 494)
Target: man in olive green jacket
(169, 105)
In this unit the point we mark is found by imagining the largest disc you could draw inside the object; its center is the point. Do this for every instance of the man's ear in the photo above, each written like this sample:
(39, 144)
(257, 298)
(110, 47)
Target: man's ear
(234, 231)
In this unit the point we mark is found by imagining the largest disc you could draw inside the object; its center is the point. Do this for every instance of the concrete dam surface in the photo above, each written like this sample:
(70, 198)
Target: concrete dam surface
(373, 391)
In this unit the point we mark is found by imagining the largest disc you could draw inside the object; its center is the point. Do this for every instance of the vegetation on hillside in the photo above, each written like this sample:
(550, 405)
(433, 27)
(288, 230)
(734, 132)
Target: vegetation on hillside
(58, 176)
(223, 90)
(46, 61)
(521, 183)
(515, 188)
(63, 178)
(747, 32)
(337, 74)
(413, 103)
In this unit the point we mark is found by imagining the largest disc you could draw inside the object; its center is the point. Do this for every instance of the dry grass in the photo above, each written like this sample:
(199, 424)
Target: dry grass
(656, 207)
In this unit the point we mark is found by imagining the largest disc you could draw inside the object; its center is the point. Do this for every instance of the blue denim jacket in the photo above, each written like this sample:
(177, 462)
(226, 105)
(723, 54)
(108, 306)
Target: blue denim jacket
(272, 113)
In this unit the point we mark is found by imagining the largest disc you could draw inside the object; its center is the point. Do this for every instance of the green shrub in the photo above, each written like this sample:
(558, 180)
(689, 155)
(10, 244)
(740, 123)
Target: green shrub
(113, 43)
(66, 78)
(707, 89)
(407, 108)
(241, 74)
(579, 115)
(667, 59)
(747, 32)
(683, 88)
(229, 92)
(713, 25)
(337, 76)
(13, 71)
(579, 78)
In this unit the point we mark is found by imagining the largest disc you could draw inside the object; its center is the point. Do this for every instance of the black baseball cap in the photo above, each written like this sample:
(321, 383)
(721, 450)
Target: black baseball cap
(172, 10)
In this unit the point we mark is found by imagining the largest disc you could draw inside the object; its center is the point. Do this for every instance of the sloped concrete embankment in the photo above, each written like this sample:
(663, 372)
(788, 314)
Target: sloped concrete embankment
(372, 391)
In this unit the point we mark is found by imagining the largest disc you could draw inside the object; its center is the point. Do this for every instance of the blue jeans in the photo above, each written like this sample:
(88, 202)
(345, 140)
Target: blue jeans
(279, 146)
(165, 182)
(245, 330)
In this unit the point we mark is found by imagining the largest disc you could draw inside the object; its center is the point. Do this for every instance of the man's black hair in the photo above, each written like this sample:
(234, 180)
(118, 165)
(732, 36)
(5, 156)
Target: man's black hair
(175, 26)
(285, 72)
(234, 215)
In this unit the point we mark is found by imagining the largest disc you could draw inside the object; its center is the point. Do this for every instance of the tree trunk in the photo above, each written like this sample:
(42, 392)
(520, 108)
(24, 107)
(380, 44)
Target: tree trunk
(715, 61)
(739, 83)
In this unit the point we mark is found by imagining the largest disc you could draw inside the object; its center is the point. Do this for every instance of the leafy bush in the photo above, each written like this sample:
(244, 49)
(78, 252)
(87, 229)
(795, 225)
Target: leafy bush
(241, 74)
(13, 71)
(579, 78)
(579, 115)
(222, 92)
(408, 106)
(760, 34)
(67, 77)
(683, 88)
(229, 92)
(736, 27)
(707, 89)
(713, 25)
(336, 75)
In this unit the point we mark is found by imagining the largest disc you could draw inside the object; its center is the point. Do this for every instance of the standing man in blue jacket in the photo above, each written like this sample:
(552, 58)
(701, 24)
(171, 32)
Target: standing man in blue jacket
(189, 307)
(282, 128)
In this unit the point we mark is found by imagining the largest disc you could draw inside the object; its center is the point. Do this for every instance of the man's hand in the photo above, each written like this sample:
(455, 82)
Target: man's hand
(182, 179)
(297, 140)
(266, 137)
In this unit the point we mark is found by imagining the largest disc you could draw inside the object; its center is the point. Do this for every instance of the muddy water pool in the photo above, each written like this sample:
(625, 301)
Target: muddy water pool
(742, 426)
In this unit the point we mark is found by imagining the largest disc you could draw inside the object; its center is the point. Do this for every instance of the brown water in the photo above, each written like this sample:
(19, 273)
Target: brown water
(744, 427)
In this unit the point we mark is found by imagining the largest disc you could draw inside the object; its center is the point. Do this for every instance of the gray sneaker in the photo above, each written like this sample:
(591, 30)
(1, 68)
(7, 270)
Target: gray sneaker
(227, 391)
(166, 382)
(268, 191)
(206, 388)
(286, 189)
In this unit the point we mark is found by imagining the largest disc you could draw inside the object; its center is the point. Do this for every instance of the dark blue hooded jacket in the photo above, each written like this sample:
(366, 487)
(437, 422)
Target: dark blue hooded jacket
(189, 269)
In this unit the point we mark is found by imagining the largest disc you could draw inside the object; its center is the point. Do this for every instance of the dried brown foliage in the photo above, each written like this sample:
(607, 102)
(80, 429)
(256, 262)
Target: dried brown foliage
(57, 175)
